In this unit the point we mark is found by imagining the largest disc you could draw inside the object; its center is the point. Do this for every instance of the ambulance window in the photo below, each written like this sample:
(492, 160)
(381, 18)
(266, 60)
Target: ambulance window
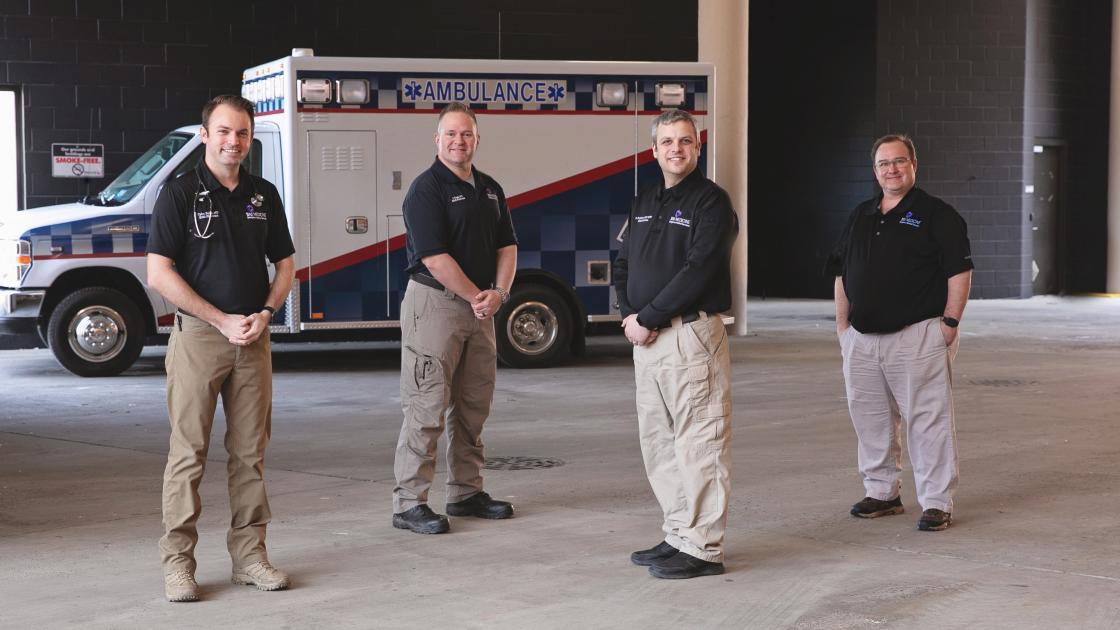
(254, 160)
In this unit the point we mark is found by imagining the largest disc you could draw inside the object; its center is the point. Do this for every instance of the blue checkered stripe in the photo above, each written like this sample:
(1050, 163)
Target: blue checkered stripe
(578, 92)
(91, 236)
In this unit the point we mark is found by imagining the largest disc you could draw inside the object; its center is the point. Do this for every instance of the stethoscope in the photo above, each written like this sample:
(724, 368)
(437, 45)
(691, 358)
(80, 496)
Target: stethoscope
(202, 194)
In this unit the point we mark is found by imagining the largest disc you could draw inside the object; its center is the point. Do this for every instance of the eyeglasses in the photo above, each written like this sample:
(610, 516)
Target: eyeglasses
(898, 162)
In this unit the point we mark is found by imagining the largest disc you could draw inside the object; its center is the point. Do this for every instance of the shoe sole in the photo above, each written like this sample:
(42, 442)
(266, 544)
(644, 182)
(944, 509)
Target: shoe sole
(707, 571)
(649, 561)
(887, 512)
(182, 598)
(247, 581)
(934, 528)
(441, 528)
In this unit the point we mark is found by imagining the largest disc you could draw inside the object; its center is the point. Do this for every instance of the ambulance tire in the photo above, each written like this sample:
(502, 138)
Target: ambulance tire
(96, 331)
(534, 328)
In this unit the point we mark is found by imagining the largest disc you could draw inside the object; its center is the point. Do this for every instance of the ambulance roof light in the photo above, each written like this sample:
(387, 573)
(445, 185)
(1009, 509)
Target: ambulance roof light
(303, 52)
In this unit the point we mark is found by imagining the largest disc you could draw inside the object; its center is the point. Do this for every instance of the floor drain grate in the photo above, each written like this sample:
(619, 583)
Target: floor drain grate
(1002, 382)
(516, 462)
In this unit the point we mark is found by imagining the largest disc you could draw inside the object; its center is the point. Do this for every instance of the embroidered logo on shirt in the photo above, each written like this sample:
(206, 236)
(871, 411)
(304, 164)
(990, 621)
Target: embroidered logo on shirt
(643, 219)
(677, 219)
(910, 220)
(458, 198)
(252, 212)
(491, 194)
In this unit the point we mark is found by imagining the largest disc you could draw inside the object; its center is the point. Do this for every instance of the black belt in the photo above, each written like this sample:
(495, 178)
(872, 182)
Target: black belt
(686, 318)
(427, 281)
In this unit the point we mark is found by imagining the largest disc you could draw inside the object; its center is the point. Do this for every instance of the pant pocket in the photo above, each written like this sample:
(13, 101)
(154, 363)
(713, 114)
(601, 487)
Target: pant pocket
(699, 385)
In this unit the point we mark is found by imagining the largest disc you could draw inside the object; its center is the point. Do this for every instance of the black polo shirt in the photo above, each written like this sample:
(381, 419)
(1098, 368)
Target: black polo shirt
(446, 215)
(896, 266)
(675, 256)
(244, 226)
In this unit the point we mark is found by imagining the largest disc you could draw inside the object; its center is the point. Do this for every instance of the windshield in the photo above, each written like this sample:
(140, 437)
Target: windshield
(140, 172)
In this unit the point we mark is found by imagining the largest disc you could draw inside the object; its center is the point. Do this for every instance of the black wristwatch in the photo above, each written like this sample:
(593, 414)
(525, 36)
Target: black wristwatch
(951, 322)
(271, 311)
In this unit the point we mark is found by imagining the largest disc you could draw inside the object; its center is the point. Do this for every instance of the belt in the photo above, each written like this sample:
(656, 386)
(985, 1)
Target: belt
(427, 281)
(686, 318)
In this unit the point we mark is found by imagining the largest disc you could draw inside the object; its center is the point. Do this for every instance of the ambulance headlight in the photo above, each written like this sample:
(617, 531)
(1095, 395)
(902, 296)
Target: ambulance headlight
(610, 94)
(353, 91)
(670, 94)
(15, 261)
(316, 91)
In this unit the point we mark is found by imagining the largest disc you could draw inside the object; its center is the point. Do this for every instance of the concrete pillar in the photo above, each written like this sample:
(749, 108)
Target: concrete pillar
(1112, 277)
(722, 36)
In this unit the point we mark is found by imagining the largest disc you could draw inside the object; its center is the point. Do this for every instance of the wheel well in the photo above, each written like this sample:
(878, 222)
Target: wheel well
(98, 277)
(575, 307)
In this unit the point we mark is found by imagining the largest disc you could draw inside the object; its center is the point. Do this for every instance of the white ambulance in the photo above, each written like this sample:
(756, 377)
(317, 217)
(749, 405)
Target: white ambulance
(342, 139)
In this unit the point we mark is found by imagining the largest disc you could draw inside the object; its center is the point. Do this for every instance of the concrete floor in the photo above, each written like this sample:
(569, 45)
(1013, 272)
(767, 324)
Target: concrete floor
(1033, 544)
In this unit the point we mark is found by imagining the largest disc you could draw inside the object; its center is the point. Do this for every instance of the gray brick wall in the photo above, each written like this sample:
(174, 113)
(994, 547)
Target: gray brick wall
(951, 74)
(123, 72)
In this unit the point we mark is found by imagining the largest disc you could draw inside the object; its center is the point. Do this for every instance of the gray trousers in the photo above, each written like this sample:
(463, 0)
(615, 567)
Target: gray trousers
(903, 376)
(683, 383)
(448, 369)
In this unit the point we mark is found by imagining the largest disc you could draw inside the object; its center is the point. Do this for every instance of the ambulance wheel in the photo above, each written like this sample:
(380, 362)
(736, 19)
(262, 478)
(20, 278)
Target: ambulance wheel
(96, 331)
(534, 329)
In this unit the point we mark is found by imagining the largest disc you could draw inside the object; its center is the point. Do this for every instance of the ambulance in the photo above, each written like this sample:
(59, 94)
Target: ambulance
(342, 139)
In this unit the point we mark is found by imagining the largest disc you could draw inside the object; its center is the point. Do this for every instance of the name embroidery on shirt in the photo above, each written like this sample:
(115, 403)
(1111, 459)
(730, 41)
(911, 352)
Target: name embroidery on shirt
(677, 219)
(910, 220)
(458, 198)
(643, 219)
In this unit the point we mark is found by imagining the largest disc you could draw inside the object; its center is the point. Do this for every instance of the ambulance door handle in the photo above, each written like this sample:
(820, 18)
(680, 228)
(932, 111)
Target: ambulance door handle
(357, 225)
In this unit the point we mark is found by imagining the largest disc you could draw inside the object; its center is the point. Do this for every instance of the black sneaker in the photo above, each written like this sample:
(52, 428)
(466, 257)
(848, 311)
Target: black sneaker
(646, 557)
(682, 566)
(934, 520)
(422, 520)
(482, 506)
(874, 508)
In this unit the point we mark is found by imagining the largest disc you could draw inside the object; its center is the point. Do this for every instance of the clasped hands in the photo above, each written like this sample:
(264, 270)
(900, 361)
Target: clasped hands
(242, 330)
(486, 303)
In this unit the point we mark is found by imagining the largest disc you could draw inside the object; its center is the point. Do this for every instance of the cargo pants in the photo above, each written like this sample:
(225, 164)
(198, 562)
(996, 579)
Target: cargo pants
(448, 370)
(683, 383)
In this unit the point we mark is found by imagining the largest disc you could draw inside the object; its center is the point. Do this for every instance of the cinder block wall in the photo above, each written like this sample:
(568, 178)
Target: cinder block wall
(124, 72)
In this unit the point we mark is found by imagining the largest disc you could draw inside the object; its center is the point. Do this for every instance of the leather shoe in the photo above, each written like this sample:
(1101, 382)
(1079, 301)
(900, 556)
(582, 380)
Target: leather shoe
(422, 520)
(682, 566)
(482, 506)
(646, 557)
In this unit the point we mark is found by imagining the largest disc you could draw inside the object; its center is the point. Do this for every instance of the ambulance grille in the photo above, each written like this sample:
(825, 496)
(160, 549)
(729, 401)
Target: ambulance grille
(343, 159)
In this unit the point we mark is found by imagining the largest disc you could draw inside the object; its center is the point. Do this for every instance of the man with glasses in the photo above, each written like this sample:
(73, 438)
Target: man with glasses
(903, 269)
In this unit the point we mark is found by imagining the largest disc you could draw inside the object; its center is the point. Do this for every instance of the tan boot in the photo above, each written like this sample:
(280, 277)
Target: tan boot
(263, 576)
(179, 586)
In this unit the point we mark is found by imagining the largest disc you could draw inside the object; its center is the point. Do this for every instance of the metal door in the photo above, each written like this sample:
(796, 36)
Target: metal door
(342, 217)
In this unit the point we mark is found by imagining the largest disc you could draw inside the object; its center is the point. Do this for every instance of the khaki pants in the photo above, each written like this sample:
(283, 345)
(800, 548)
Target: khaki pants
(684, 419)
(448, 369)
(904, 376)
(201, 365)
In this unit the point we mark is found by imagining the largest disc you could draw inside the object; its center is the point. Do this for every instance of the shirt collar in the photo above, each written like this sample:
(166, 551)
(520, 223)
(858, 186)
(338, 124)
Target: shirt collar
(444, 173)
(683, 187)
(243, 189)
(903, 206)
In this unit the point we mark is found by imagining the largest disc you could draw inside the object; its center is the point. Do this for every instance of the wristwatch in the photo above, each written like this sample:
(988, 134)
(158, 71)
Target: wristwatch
(951, 322)
(502, 293)
(271, 311)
